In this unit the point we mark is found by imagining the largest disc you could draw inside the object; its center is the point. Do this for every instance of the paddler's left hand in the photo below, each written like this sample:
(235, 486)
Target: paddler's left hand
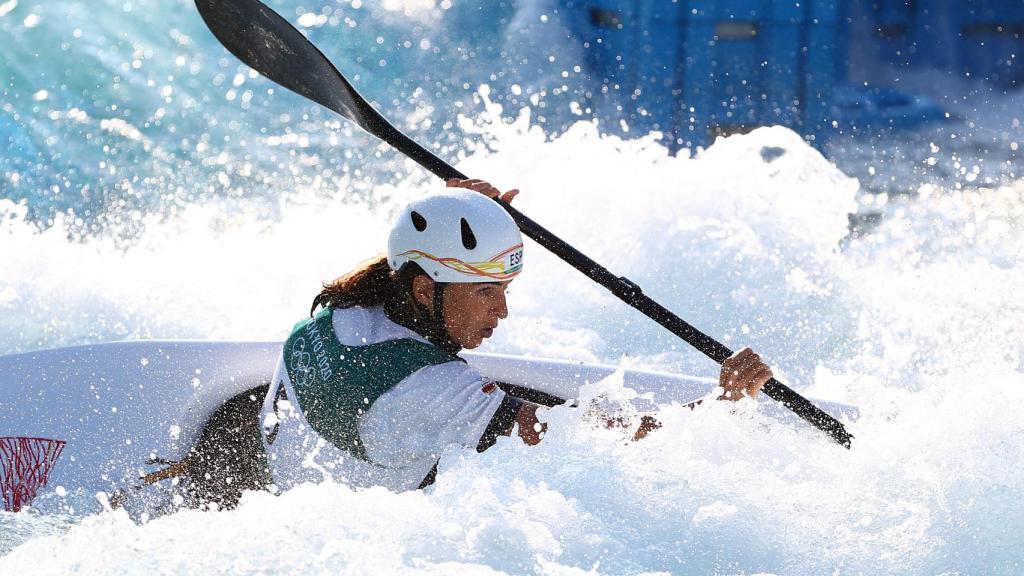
(483, 187)
(743, 374)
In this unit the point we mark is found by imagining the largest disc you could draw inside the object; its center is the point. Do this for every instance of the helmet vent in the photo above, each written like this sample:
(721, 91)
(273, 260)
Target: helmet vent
(420, 222)
(468, 239)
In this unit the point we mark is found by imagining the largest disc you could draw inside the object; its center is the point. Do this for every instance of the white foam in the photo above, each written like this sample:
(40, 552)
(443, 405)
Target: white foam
(918, 323)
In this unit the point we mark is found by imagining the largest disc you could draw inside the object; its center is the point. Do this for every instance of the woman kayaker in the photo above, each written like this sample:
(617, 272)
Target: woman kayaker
(370, 390)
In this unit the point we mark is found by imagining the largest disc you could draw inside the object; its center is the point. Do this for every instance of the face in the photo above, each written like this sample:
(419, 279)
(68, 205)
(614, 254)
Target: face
(471, 311)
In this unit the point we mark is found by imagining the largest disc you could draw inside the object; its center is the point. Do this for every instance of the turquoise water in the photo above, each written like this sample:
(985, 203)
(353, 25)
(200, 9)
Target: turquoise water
(112, 109)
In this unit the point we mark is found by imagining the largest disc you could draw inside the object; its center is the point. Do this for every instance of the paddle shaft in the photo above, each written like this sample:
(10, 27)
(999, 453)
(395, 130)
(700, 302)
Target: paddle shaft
(266, 42)
(626, 290)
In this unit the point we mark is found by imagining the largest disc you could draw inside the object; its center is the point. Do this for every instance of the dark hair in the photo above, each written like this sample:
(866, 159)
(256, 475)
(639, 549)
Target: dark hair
(374, 283)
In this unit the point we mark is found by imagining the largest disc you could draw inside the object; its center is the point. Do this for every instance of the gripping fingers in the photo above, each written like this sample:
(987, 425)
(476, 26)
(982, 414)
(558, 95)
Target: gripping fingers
(483, 187)
(476, 185)
(460, 183)
(758, 380)
(751, 379)
(747, 373)
(744, 373)
(736, 364)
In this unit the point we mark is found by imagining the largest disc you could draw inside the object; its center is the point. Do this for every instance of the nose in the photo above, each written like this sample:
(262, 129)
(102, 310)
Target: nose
(501, 307)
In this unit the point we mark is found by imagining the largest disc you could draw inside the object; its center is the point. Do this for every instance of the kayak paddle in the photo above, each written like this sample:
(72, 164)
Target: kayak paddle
(267, 43)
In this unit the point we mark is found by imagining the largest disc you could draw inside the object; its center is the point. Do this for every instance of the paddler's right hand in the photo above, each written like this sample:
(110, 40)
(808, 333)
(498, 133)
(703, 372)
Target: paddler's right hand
(483, 187)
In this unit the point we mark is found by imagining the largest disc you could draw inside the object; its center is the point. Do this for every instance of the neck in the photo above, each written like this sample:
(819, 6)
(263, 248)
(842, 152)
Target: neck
(420, 320)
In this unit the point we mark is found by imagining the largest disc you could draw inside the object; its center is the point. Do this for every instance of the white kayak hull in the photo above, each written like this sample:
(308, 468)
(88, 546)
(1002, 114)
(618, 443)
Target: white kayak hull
(118, 405)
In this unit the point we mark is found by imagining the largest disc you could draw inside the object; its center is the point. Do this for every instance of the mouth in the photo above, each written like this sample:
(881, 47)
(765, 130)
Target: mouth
(487, 332)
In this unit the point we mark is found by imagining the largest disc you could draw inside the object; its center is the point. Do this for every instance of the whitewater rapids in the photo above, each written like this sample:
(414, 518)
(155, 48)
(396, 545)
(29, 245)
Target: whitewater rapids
(917, 320)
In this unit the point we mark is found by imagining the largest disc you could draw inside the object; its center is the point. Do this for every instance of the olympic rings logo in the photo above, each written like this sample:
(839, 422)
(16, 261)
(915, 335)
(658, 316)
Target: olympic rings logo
(301, 362)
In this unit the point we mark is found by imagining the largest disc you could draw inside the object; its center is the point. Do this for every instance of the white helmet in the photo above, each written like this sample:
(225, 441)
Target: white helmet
(457, 236)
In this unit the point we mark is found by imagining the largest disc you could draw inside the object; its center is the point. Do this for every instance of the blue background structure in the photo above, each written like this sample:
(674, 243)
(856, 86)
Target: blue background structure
(703, 68)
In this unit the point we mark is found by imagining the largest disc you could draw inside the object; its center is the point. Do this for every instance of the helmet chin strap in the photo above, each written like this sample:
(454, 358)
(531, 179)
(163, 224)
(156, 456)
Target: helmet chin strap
(405, 307)
(439, 305)
(442, 329)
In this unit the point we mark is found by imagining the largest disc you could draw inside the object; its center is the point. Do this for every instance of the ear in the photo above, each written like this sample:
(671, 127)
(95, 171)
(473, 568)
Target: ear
(423, 291)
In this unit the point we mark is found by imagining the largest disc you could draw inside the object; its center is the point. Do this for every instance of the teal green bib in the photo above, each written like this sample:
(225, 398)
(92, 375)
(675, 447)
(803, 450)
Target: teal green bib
(336, 384)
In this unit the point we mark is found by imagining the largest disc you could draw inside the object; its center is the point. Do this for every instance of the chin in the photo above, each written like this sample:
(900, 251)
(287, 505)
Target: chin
(471, 344)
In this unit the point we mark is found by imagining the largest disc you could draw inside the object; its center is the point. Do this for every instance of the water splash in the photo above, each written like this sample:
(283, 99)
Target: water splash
(196, 234)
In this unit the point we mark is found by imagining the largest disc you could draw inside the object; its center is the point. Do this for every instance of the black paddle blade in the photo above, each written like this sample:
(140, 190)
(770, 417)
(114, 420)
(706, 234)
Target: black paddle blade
(268, 44)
